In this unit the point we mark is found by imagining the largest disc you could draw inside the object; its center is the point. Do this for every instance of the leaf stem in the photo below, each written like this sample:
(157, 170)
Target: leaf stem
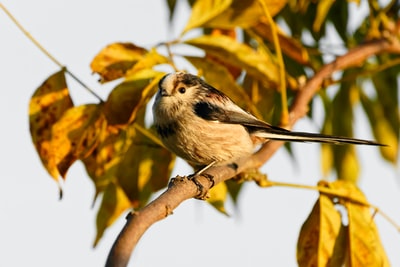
(282, 84)
(332, 192)
(47, 53)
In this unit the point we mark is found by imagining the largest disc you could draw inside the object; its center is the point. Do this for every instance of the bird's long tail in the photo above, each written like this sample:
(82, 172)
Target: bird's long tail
(285, 135)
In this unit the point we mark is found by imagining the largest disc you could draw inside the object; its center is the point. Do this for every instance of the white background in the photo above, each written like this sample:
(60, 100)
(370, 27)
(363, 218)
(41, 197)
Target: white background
(36, 229)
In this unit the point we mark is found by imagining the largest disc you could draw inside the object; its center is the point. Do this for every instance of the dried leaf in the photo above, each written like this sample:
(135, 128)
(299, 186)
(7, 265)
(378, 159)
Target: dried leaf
(76, 134)
(257, 64)
(128, 97)
(319, 239)
(114, 203)
(116, 59)
(47, 105)
(149, 60)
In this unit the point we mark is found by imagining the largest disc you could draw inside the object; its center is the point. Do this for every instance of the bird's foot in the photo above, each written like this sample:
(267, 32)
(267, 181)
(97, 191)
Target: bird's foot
(203, 193)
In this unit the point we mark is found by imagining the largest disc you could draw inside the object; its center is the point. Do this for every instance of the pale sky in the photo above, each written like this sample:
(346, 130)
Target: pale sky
(36, 229)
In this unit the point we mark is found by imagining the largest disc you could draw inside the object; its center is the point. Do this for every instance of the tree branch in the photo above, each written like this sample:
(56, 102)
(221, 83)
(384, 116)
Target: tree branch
(181, 189)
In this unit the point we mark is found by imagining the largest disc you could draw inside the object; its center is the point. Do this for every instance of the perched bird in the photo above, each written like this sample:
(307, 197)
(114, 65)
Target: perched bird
(205, 127)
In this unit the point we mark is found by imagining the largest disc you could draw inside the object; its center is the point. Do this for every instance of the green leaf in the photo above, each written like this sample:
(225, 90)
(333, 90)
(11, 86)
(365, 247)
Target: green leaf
(47, 105)
(381, 127)
(258, 64)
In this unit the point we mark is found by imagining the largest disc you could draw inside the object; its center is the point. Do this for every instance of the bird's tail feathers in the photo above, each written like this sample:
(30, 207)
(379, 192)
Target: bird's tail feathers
(274, 134)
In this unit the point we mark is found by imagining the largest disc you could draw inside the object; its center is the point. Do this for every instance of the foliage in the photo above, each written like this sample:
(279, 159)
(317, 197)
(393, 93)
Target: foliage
(241, 48)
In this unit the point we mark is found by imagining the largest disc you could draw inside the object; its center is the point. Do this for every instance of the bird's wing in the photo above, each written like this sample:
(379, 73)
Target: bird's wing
(230, 113)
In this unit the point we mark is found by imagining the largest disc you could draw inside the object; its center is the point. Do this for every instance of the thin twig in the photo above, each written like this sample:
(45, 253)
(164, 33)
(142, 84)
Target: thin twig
(47, 53)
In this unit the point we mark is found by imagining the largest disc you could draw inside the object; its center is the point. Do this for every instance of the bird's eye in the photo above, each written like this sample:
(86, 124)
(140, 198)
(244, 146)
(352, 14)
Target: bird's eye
(182, 90)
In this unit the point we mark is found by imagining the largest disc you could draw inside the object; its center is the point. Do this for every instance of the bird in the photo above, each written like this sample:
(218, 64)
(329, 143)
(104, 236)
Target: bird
(205, 127)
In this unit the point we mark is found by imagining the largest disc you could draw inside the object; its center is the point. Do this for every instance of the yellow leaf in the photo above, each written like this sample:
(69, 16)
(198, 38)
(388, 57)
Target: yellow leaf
(76, 134)
(113, 61)
(205, 10)
(230, 14)
(149, 60)
(323, 8)
(226, 49)
(47, 105)
(346, 163)
(218, 196)
(101, 164)
(320, 236)
(144, 169)
(262, 97)
(364, 245)
(114, 203)
(128, 97)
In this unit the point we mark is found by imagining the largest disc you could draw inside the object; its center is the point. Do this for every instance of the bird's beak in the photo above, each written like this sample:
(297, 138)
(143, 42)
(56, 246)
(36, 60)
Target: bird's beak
(163, 92)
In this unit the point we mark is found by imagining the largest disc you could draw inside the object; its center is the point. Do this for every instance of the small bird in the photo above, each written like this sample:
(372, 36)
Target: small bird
(205, 127)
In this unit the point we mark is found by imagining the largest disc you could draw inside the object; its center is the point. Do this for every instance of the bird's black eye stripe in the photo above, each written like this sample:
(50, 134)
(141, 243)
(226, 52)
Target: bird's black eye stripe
(182, 90)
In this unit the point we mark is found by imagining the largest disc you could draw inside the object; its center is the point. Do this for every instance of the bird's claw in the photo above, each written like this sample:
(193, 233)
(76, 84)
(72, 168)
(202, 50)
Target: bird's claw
(203, 193)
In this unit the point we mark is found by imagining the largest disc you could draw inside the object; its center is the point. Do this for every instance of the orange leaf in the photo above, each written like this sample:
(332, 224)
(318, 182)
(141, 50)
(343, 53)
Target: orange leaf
(47, 105)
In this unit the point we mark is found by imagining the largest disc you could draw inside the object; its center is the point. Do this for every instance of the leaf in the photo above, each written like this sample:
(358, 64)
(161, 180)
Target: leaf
(263, 98)
(345, 158)
(101, 164)
(289, 45)
(381, 128)
(364, 245)
(113, 61)
(218, 196)
(149, 60)
(128, 97)
(204, 11)
(145, 168)
(47, 105)
(230, 14)
(76, 134)
(257, 64)
(323, 8)
(219, 77)
(320, 236)
(114, 203)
